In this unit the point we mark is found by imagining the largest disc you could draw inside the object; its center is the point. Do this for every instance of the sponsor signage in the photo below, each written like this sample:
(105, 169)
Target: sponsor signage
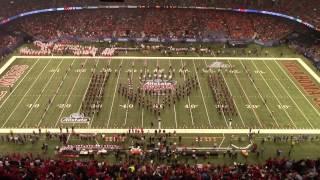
(76, 118)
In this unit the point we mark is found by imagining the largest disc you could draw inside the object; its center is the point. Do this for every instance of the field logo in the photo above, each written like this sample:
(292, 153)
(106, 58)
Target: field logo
(2, 94)
(158, 84)
(75, 118)
(218, 64)
(13, 75)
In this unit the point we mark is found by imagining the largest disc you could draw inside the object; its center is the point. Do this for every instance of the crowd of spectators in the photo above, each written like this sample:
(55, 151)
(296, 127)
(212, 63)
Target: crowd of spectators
(59, 48)
(16, 166)
(307, 10)
(172, 23)
(8, 42)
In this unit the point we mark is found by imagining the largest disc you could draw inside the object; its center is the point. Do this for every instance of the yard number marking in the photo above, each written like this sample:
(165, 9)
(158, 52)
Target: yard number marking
(62, 106)
(126, 106)
(252, 106)
(283, 106)
(33, 106)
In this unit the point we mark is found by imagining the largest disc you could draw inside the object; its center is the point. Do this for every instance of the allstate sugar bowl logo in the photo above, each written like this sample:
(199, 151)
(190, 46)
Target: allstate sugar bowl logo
(75, 118)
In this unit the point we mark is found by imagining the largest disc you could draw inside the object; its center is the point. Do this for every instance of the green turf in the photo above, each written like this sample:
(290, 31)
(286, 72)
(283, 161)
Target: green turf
(40, 82)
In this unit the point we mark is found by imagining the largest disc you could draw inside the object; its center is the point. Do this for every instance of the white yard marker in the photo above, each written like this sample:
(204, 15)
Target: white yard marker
(288, 115)
(174, 108)
(55, 95)
(289, 95)
(19, 83)
(114, 95)
(184, 77)
(261, 97)
(233, 100)
(298, 88)
(204, 103)
(248, 99)
(30, 87)
(142, 110)
(142, 117)
(66, 102)
(104, 79)
(40, 95)
(224, 116)
(127, 109)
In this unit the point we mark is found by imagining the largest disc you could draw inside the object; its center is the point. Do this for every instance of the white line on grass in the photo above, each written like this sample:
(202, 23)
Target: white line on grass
(310, 71)
(127, 109)
(154, 57)
(289, 95)
(178, 131)
(297, 88)
(19, 83)
(184, 77)
(31, 86)
(245, 94)
(56, 94)
(204, 103)
(66, 102)
(288, 115)
(224, 116)
(40, 95)
(114, 94)
(102, 87)
(142, 109)
(254, 85)
(142, 117)
(225, 80)
(174, 107)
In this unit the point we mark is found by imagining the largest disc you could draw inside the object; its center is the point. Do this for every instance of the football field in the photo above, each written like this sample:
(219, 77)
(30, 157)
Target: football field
(206, 93)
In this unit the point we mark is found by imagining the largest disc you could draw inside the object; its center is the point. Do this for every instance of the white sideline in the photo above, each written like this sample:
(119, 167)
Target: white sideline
(179, 131)
(7, 64)
(172, 58)
(310, 71)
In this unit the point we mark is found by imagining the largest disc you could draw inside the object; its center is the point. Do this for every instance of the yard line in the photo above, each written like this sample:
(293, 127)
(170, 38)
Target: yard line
(31, 86)
(142, 109)
(297, 88)
(74, 85)
(184, 77)
(224, 116)
(245, 94)
(204, 103)
(158, 97)
(19, 83)
(174, 108)
(175, 116)
(96, 65)
(289, 95)
(254, 85)
(132, 71)
(114, 94)
(142, 118)
(234, 100)
(56, 93)
(40, 95)
(288, 115)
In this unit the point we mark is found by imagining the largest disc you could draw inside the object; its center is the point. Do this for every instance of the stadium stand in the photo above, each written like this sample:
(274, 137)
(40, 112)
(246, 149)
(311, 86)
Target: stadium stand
(308, 10)
(152, 23)
(16, 166)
